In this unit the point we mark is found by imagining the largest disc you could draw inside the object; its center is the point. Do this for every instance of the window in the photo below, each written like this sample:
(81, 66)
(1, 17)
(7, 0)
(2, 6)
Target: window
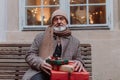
(82, 14)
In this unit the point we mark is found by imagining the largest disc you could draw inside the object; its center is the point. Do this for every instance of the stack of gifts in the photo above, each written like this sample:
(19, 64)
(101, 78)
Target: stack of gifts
(64, 70)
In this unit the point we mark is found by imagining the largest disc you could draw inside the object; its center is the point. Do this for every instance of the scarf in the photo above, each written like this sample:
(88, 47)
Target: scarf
(46, 48)
(64, 33)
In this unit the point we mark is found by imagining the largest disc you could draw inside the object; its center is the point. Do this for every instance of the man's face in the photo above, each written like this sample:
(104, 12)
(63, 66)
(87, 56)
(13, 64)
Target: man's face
(59, 23)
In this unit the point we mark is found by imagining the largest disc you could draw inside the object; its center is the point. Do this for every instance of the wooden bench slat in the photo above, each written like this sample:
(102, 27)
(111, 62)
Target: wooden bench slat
(89, 69)
(12, 56)
(12, 53)
(86, 53)
(86, 57)
(87, 61)
(13, 64)
(85, 49)
(10, 77)
(13, 49)
(21, 68)
(12, 60)
(85, 45)
(90, 78)
(14, 45)
(12, 73)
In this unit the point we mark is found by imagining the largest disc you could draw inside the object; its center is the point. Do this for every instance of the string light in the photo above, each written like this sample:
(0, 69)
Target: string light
(34, 11)
(101, 12)
(45, 2)
(96, 12)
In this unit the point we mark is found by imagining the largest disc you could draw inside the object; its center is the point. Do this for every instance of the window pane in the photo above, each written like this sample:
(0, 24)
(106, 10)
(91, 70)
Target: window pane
(33, 16)
(33, 2)
(47, 14)
(78, 14)
(97, 1)
(51, 2)
(97, 15)
(77, 1)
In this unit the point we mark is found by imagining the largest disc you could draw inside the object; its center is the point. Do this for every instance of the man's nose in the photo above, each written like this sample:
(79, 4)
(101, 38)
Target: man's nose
(58, 24)
(59, 21)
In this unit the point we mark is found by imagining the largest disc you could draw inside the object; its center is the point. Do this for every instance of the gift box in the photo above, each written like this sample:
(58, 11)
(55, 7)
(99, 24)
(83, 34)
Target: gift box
(79, 75)
(66, 72)
(59, 75)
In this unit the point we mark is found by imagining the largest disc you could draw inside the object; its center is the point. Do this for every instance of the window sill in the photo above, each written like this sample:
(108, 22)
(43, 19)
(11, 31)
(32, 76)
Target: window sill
(90, 28)
(71, 28)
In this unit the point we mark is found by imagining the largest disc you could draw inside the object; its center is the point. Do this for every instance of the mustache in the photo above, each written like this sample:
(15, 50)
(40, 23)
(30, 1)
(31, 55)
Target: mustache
(60, 26)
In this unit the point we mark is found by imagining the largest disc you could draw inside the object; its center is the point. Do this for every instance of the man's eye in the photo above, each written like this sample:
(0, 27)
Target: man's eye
(55, 19)
(61, 18)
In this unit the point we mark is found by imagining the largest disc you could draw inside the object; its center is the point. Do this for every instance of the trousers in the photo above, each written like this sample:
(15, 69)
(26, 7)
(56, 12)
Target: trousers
(41, 76)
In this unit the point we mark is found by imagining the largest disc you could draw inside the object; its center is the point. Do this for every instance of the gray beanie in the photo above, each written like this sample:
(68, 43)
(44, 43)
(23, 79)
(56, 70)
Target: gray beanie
(59, 12)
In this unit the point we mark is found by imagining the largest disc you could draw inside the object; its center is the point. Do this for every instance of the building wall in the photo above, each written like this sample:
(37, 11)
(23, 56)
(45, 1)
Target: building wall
(105, 43)
(119, 13)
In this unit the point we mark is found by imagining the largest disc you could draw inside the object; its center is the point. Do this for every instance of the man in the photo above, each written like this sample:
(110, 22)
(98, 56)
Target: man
(56, 41)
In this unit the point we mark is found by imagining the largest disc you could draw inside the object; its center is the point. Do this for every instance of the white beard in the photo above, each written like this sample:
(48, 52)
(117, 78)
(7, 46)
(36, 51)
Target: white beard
(60, 28)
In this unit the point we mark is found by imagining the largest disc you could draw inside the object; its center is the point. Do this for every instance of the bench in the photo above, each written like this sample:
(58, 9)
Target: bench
(13, 65)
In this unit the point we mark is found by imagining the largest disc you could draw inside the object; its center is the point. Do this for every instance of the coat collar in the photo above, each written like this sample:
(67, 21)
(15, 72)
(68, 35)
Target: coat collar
(64, 41)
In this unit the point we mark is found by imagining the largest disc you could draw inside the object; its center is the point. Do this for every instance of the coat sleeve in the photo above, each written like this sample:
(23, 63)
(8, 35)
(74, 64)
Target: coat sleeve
(77, 55)
(32, 57)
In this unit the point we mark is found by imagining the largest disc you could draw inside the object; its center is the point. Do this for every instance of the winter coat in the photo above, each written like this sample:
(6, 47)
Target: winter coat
(70, 51)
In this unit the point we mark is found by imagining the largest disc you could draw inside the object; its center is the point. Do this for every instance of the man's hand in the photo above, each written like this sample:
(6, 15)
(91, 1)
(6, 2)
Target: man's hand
(46, 67)
(78, 66)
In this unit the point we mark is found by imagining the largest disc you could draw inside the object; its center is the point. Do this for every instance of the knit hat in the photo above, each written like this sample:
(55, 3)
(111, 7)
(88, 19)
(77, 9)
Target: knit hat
(59, 12)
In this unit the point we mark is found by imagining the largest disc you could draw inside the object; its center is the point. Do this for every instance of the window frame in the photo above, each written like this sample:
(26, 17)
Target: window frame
(64, 6)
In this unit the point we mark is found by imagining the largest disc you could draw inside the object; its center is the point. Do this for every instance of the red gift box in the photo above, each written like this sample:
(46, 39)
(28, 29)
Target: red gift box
(59, 75)
(79, 76)
(62, 75)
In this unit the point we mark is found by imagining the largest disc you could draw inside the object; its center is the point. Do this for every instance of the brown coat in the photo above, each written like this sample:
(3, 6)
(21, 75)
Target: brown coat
(70, 50)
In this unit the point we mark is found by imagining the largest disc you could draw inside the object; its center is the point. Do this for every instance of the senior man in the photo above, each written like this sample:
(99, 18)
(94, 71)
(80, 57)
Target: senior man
(57, 40)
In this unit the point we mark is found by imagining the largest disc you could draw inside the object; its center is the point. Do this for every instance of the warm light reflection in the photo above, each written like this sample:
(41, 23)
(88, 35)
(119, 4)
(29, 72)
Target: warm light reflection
(101, 12)
(91, 19)
(46, 14)
(35, 13)
(72, 1)
(92, 15)
(35, 16)
(45, 2)
(83, 17)
(96, 12)
(72, 14)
